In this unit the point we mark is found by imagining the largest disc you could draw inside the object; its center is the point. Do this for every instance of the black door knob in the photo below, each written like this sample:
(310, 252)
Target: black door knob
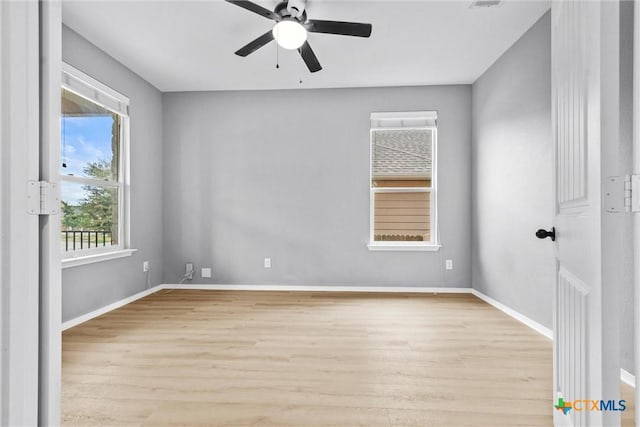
(543, 234)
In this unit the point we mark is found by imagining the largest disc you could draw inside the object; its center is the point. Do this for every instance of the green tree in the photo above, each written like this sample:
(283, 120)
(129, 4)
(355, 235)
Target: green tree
(99, 205)
(69, 216)
(97, 210)
(99, 170)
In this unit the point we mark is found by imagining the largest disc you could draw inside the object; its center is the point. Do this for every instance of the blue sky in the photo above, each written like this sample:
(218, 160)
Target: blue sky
(85, 139)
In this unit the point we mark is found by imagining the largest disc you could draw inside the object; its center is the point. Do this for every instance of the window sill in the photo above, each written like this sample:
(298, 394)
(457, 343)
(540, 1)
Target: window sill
(99, 257)
(402, 247)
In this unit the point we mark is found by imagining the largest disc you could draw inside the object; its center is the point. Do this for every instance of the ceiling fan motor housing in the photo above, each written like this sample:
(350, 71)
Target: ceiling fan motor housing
(292, 9)
(296, 7)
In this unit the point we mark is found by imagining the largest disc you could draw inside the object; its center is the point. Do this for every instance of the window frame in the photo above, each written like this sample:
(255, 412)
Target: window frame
(84, 86)
(434, 243)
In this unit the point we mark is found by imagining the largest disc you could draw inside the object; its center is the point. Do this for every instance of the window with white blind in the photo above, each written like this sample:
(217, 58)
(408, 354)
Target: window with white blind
(93, 170)
(403, 181)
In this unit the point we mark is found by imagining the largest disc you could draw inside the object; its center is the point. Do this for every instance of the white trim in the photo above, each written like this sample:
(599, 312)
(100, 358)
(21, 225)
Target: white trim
(99, 312)
(401, 189)
(628, 378)
(433, 197)
(322, 288)
(636, 216)
(90, 259)
(20, 241)
(125, 180)
(543, 330)
(399, 246)
(561, 420)
(88, 252)
(50, 255)
(91, 181)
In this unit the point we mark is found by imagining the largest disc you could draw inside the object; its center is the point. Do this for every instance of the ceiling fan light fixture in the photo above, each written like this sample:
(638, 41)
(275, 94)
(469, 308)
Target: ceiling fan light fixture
(289, 34)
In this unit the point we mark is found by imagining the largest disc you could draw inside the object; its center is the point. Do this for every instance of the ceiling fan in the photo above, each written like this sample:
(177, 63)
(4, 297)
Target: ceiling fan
(292, 26)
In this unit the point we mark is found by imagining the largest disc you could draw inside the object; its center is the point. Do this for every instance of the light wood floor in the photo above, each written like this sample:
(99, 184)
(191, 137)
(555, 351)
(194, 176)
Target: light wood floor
(306, 359)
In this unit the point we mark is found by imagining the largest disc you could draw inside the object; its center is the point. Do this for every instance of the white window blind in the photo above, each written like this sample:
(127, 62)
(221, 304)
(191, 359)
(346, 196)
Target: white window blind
(412, 119)
(78, 82)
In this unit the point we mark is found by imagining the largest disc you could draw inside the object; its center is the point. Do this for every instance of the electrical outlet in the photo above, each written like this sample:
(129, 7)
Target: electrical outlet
(267, 263)
(145, 266)
(205, 273)
(448, 264)
(189, 271)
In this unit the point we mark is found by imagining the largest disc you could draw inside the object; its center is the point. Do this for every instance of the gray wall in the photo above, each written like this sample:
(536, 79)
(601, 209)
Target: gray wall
(86, 288)
(511, 178)
(285, 174)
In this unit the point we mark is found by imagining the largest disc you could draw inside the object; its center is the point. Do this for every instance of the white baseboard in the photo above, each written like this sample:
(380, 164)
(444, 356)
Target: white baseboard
(99, 312)
(562, 420)
(628, 378)
(543, 330)
(321, 288)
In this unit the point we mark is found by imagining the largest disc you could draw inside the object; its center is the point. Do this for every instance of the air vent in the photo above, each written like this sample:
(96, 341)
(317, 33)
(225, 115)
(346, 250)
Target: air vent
(486, 4)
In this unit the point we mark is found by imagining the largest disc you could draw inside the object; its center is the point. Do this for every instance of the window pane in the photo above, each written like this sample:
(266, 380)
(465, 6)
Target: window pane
(402, 158)
(402, 216)
(90, 139)
(89, 216)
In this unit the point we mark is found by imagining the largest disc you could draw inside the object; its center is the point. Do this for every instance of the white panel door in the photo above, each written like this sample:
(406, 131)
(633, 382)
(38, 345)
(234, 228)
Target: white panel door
(580, 101)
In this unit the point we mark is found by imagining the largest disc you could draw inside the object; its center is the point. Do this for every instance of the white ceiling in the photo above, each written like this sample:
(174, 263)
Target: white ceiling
(189, 45)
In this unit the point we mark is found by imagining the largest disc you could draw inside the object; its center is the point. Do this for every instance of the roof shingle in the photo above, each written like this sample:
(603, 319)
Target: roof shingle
(402, 153)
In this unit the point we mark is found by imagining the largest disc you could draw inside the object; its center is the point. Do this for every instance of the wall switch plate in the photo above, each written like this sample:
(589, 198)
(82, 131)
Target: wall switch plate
(448, 264)
(145, 266)
(267, 263)
(206, 273)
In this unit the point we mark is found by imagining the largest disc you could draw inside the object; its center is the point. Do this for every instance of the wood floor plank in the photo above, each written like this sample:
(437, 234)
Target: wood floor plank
(235, 414)
(231, 358)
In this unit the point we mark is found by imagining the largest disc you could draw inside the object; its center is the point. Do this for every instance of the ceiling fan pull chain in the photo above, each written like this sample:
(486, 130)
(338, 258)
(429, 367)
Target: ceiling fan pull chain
(277, 54)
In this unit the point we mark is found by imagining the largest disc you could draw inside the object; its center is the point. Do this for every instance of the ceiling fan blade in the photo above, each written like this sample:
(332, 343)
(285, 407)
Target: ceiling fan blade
(309, 57)
(256, 44)
(336, 27)
(256, 9)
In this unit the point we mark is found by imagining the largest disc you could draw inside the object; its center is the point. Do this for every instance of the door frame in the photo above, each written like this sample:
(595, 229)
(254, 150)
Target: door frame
(30, 292)
(19, 237)
(636, 215)
(50, 377)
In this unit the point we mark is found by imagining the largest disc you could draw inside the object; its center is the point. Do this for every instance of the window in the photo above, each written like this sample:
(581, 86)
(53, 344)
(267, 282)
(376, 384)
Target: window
(93, 169)
(403, 181)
